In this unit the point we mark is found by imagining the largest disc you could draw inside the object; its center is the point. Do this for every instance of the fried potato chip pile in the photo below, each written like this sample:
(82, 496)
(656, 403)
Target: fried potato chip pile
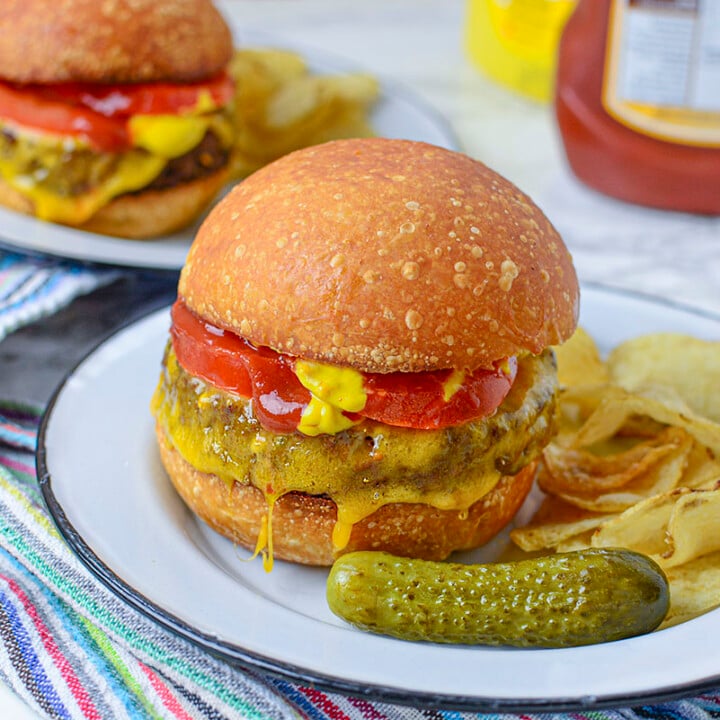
(636, 462)
(281, 106)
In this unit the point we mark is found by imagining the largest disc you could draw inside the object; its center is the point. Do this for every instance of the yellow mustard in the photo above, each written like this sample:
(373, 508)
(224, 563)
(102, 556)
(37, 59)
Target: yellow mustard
(453, 384)
(515, 42)
(332, 390)
(168, 136)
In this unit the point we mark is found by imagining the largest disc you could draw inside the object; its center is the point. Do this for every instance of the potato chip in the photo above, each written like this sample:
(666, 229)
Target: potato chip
(555, 522)
(281, 106)
(266, 65)
(641, 527)
(646, 470)
(694, 527)
(662, 477)
(694, 589)
(571, 470)
(673, 528)
(703, 469)
(577, 542)
(311, 101)
(689, 365)
(577, 404)
(579, 361)
(661, 404)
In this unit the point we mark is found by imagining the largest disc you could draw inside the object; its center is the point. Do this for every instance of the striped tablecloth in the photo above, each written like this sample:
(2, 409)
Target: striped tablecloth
(72, 649)
(32, 288)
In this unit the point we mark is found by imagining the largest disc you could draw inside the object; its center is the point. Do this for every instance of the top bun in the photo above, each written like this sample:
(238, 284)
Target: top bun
(385, 255)
(112, 41)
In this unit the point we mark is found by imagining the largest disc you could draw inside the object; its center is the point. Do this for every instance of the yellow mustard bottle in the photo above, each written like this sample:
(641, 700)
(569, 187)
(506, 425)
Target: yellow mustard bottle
(515, 42)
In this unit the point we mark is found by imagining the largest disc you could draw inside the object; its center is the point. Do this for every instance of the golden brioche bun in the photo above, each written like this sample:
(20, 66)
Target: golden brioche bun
(139, 215)
(112, 41)
(303, 524)
(385, 255)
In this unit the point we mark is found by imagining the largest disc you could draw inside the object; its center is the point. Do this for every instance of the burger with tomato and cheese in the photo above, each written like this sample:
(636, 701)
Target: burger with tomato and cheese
(114, 116)
(359, 355)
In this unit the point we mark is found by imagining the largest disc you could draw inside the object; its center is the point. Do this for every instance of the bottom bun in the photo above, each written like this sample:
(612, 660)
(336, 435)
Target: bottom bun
(302, 524)
(139, 215)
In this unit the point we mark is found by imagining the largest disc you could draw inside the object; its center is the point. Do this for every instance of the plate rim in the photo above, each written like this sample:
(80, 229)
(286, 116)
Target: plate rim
(242, 658)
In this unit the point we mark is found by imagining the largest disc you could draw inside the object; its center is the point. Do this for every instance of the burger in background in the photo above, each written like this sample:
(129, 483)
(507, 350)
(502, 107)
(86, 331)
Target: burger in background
(115, 117)
(360, 354)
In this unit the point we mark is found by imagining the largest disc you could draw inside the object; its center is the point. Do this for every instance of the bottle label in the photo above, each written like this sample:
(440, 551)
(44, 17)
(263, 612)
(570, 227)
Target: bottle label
(662, 69)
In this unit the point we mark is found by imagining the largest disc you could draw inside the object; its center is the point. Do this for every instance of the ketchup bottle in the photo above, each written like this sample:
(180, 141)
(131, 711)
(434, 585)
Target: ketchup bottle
(638, 100)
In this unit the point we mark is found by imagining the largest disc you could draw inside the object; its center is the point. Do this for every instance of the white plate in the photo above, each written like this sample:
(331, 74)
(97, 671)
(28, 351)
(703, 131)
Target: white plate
(106, 489)
(397, 114)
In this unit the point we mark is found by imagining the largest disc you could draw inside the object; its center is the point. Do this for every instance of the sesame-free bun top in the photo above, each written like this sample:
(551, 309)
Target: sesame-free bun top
(111, 41)
(384, 255)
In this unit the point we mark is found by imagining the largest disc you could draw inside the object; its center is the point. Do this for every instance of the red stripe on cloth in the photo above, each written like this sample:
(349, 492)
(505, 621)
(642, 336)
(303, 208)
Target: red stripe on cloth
(16, 466)
(168, 699)
(367, 709)
(324, 703)
(81, 696)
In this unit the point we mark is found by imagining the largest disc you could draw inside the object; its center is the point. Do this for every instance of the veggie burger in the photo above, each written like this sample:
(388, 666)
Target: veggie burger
(114, 116)
(360, 354)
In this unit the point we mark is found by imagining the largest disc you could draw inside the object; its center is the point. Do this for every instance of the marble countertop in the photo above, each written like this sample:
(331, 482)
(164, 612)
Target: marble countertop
(419, 44)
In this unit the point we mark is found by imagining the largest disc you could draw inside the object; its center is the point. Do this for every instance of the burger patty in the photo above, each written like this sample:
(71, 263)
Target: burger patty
(203, 160)
(71, 171)
(217, 433)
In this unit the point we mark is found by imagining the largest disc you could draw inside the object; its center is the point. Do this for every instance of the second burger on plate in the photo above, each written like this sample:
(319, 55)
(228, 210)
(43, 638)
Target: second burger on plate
(115, 117)
(360, 354)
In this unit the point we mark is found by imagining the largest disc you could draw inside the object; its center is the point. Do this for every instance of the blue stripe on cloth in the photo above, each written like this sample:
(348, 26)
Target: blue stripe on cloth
(86, 659)
(17, 435)
(35, 677)
(290, 691)
(32, 288)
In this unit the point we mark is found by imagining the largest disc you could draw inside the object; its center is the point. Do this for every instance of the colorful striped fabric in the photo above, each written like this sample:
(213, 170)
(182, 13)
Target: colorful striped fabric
(71, 649)
(31, 288)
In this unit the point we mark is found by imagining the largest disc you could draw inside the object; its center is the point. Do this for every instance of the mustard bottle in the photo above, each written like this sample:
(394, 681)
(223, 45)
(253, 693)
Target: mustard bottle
(515, 42)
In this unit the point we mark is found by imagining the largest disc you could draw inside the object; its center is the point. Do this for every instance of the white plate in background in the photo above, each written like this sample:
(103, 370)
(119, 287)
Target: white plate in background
(398, 114)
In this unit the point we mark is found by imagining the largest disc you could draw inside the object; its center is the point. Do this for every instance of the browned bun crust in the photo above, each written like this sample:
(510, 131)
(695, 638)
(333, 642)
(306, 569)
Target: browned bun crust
(140, 215)
(112, 41)
(385, 255)
(302, 524)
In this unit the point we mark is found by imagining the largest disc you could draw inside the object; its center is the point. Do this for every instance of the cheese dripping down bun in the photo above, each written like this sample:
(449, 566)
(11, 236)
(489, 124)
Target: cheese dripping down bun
(368, 259)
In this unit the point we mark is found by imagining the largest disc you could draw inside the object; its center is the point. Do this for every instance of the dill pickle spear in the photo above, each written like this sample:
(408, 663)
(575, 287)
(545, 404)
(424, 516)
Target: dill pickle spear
(575, 598)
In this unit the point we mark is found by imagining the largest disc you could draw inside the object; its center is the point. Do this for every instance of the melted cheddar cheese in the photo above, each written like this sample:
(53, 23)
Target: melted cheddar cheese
(134, 170)
(362, 469)
(157, 139)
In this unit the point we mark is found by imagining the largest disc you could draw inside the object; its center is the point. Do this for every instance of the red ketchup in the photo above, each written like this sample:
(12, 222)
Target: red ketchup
(638, 101)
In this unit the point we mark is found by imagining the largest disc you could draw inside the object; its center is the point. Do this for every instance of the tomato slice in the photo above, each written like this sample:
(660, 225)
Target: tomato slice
(229, 362)
(418, 400)
(99, 113)
(414, 400)
(124, 100)
(34, 111)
